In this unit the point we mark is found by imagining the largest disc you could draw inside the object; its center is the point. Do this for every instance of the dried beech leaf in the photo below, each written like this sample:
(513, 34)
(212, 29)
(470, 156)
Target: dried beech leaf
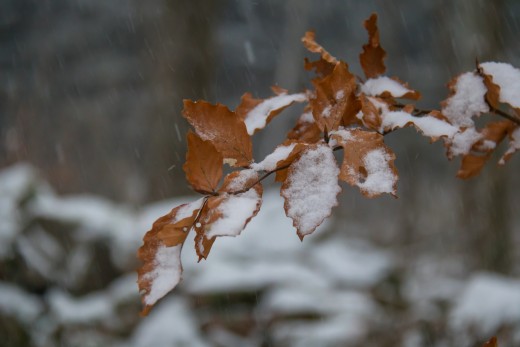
(501, 80)
(305, 130)
(309, 41)
(321, 67)
(203, 165)
(492, 135)
(257, 113)
(229, 213)
(373, 55)
(371, 114)
(311, 188)
(223, 128)
(335, 96)
(367, 162)
(161, 270)
(471, 165)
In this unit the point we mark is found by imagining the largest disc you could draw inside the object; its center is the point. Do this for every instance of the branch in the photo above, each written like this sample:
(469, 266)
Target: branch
(503, 114)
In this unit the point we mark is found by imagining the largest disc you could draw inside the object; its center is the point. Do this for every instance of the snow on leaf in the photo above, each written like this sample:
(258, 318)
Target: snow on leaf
(309, 41)
(373, 55)
(467, 99)
(335, 98)
(161, 270)
(203, 165)
(256, 113)
(480, 152)
(514, 145)
(311, 188)
(428, 125)
(431, 125)
(270, 162)
(462, 142)
(223, 128)
(388, 87)
(503, 82)
(229, 213)
(367, 162)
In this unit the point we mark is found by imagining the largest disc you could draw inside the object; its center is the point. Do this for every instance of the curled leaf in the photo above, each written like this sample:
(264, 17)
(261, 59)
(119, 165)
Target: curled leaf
(162, 269)
(257, 113)
(503, 83)
(335, 97)
(309, 41)
(373, 55)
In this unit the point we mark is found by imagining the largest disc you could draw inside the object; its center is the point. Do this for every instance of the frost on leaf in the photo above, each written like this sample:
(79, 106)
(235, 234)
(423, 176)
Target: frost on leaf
(335, 98)
(161, 253)
(367, 162)
(223, 128)
(373, 55)
(503, 83)
(467, 99)
(311, 188)
(387, 87)
(256, 113)
(203, 165)
(229, 213)
(475, 159)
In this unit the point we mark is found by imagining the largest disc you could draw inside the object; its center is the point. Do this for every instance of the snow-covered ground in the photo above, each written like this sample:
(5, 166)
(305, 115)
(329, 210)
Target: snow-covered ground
(67, 271)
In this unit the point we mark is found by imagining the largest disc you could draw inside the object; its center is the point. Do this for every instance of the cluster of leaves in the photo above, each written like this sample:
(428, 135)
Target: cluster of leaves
(342, 112)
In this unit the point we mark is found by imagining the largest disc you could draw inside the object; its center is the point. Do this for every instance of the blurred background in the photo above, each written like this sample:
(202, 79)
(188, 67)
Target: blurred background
(91, 153)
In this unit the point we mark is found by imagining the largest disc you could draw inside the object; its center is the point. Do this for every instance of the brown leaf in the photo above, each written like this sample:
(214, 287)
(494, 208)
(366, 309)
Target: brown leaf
(373, 55)
(311, 188)
(321, 67)
(161, 270)
(335, 97)
(492, 135)
(367, 162)
(229, 213)
(309, 41)
(371, 114)
(257, 113)
(305, 130)
(203, 165)
(223, 128)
